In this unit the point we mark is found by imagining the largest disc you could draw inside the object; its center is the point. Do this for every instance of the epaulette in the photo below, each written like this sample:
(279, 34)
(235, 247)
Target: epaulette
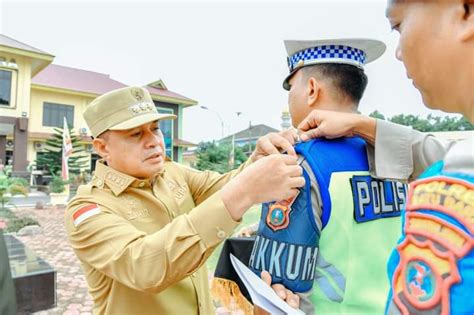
(84, 190)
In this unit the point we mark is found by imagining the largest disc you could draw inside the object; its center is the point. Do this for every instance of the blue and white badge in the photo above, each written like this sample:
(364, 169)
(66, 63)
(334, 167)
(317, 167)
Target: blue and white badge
(376, 199)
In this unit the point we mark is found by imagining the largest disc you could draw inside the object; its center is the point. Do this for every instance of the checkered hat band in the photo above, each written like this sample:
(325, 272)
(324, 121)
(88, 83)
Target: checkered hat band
(327, 53)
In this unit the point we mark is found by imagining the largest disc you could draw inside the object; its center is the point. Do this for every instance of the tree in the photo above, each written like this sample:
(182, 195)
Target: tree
(412, 120)
(449, 123)
(430, 123)
(51, 159)
(215, 157)
(377, 114)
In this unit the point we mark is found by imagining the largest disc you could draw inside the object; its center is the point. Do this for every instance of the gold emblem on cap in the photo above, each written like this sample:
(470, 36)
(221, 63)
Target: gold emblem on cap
(300, 63)
(141, 108)
(137, 94)
(135, 109)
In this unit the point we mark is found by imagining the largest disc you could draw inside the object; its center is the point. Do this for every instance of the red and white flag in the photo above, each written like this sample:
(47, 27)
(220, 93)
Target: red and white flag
(84, 213)
(67, 151)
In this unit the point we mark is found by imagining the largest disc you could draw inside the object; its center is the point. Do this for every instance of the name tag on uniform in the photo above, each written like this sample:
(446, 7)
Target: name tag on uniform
(376, 199)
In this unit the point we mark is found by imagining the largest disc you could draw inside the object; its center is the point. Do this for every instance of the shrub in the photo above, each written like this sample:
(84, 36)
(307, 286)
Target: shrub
(6, 213)
(57, 185)
(16, 224)
(13, 186)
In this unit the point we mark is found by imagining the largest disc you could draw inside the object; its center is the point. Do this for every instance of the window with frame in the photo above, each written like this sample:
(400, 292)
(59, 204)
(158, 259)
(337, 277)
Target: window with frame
(53, 115)
(166, 127)
(5, 87)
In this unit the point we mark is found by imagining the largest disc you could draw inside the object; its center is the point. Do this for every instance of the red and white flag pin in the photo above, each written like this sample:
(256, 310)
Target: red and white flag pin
(85, 212)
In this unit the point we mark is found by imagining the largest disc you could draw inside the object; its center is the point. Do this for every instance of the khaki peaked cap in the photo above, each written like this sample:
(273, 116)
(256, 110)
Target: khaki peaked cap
(122, 109)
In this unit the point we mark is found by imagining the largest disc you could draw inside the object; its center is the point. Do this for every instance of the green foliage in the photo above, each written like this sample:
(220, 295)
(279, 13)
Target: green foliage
(57, 185)
(215, 157)
(6, 213)
(411, 120)
(7, 170)
(12, 186)
(16, 224)
(51, 159)
(377, 114)
(430, 123)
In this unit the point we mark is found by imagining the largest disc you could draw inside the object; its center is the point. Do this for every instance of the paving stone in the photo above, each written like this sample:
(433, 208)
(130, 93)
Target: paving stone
(74, 306)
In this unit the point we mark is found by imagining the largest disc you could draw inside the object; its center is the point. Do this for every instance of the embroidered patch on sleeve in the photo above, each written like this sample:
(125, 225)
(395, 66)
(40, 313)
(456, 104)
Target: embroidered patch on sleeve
(435, 251)
(278, 216)
(84, 213)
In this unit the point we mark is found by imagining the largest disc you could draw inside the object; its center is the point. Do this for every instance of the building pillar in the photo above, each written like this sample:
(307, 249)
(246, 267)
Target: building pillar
(3, 149)
(20, 150)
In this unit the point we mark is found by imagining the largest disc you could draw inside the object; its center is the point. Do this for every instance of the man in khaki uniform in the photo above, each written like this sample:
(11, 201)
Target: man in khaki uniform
(143, 227)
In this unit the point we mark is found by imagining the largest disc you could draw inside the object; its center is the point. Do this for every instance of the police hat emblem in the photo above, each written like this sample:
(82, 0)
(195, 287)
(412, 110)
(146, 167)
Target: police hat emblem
(137, 93)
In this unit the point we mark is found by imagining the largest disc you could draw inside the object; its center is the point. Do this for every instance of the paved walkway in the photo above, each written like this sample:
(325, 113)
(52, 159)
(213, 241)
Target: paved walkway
(52, 246)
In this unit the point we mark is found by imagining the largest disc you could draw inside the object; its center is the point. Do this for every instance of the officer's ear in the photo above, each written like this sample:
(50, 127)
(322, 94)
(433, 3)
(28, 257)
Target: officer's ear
(467, 23)
(100, 145)
(313, 91)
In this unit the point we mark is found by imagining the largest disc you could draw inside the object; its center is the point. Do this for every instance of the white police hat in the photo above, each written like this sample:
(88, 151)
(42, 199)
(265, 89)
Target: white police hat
(356, 52)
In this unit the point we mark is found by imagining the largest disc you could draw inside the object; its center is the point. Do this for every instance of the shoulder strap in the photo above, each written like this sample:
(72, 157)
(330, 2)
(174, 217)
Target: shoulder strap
(84, 190)
(326, 156)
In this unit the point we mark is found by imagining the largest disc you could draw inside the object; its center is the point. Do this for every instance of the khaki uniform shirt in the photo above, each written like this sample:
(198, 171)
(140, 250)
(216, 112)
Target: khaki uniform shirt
(403, 153)
(144, 246)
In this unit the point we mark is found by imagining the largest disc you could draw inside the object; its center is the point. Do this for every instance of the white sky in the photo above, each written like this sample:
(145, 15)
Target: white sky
(229, 56)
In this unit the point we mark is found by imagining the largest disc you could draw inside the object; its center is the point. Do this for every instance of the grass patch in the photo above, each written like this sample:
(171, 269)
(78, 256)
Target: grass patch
(250, 217)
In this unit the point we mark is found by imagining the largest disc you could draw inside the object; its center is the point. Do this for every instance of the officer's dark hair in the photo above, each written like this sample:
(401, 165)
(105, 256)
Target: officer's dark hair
(348, 80)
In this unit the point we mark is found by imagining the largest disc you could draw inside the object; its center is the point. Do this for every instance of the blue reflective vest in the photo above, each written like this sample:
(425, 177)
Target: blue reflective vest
(288, 238)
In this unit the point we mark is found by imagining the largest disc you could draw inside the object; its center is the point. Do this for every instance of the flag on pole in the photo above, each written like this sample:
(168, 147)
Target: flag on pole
(67, 151)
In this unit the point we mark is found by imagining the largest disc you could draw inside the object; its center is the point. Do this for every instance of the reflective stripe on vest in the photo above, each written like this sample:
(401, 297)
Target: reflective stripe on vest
(331, 282)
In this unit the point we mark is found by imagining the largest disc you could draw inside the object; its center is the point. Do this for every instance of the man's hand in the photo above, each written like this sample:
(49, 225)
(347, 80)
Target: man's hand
(274, 177)
(275, 143)
(286, 295)
(330, 124)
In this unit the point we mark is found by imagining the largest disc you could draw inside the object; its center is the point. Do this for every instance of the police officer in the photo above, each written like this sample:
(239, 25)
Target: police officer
(430, 271)
(338, 231)
(144, 227)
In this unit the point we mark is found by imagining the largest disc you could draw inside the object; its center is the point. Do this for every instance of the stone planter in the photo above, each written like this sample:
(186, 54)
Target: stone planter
(59, 198)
